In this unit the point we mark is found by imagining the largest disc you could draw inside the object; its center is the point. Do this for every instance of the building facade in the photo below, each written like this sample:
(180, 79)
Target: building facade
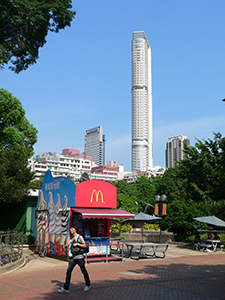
(72, 163)
(110, 173)
(174, 150)
(75, 165)
(95, 145)
(142, 136)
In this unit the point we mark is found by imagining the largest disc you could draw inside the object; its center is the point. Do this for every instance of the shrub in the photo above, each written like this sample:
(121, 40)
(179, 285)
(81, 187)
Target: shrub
(151, 227)
(120, 227)
(115, 227)
(126, 228)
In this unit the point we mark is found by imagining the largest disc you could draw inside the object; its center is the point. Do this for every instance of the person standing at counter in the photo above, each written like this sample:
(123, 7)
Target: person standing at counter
(75, 240)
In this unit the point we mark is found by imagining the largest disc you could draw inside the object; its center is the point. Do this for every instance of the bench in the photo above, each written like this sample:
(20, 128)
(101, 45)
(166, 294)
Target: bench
(203, 246)
(161, 249)
(143, 251)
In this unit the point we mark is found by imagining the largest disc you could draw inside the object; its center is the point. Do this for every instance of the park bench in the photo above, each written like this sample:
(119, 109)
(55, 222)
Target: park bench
(161, 248)
(138, 250)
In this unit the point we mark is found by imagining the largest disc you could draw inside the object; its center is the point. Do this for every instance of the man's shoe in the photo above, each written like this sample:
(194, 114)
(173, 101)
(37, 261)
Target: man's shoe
(63, 291)
(87, 288)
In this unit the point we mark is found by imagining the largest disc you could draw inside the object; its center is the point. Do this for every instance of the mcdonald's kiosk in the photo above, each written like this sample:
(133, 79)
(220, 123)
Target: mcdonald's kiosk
(90, 205)
(92, 199)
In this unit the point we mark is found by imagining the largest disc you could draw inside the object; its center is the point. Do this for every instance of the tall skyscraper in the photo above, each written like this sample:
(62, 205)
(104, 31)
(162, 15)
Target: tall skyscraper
(142, 137)
(95, 145)
(174, 150)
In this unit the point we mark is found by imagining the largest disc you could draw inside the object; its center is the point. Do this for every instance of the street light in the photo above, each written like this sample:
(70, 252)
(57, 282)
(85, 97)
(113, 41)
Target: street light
(160, 209)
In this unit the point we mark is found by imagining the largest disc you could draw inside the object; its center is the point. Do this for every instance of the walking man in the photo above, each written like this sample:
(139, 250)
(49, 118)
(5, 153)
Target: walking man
(76, 240)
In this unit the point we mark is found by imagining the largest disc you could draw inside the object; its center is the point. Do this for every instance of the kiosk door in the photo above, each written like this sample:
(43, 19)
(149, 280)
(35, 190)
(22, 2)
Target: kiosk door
(101, 228)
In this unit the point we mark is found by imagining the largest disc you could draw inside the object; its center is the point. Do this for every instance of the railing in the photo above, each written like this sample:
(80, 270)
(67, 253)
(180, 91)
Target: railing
(11, 247)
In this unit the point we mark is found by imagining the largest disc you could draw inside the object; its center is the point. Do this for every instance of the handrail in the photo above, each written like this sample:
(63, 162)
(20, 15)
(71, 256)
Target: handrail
(11, 247)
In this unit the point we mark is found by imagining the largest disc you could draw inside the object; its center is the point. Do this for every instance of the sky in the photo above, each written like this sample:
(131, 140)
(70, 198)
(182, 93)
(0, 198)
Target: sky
(82, 78)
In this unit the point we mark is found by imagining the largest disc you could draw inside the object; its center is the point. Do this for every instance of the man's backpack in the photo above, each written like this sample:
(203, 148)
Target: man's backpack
(78, 250)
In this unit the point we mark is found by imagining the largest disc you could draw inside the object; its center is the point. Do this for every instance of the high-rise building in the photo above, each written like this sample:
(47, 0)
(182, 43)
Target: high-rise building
(95, 145)
(142, 137)
(174, 150)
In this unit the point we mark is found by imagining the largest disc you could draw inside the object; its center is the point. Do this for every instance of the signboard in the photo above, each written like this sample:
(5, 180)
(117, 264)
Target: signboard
(55, 198)
(98, 250)
(164, 209)
(96, 193)
(160, 209)
(156, 210)
(57, 189)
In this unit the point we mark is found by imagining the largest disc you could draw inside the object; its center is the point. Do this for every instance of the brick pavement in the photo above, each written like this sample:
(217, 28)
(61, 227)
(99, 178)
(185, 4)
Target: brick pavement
(183, 274)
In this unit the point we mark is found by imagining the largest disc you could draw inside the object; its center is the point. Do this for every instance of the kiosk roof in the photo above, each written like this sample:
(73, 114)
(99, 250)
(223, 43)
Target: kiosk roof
(103, 213)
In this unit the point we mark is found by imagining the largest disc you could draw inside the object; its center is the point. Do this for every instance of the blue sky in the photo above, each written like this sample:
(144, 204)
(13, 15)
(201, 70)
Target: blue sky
(83, 76)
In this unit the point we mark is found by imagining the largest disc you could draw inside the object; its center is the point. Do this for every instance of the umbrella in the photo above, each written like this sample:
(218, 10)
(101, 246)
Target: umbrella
(142, 218)
(212, 220)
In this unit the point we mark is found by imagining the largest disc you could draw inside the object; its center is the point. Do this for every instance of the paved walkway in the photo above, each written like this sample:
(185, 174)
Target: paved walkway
(184, 274)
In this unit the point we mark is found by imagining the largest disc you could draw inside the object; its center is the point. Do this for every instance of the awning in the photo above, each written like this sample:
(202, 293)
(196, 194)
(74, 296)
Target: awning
(103, 213)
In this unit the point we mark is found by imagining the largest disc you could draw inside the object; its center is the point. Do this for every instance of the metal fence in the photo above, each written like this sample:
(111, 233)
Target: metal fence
(11, 247)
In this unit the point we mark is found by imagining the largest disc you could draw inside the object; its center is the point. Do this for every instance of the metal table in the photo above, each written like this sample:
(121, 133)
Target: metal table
(213, 242)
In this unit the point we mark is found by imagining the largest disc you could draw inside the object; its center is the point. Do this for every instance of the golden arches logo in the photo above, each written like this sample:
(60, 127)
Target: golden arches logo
(97, 194)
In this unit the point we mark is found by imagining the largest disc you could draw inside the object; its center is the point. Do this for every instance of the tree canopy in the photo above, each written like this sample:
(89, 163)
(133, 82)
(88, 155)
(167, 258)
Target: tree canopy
(196, 187)
(24, 25)
(17, 138)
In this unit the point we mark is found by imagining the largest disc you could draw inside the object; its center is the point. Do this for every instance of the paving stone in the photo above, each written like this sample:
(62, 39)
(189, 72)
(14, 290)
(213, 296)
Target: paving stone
(184, 274)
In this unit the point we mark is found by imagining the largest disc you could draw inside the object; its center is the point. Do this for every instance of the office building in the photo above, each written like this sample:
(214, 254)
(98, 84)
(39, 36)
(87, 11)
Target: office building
(142, 137)
(174, 150)
(95, 145)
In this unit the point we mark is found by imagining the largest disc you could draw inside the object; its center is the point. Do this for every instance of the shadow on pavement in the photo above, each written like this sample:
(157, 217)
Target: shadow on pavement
(162, 281)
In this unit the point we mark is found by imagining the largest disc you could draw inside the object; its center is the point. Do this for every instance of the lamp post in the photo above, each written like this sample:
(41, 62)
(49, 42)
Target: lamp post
(160, 209)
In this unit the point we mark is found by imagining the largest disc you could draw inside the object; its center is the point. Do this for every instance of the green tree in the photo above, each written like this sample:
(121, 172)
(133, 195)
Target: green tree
(126, 202)
(180, 214)
(24, 25)
(145, 192)
(203, 168)
(17, 137)
(126, 195)
(196, 187)
(170, 184)
(36, 184)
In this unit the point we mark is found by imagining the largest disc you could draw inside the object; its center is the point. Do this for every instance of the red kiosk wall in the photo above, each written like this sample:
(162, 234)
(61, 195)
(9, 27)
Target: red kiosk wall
(96, 193)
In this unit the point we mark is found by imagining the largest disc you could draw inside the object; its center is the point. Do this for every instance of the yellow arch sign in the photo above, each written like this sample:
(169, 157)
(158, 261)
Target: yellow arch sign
(97, 195)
